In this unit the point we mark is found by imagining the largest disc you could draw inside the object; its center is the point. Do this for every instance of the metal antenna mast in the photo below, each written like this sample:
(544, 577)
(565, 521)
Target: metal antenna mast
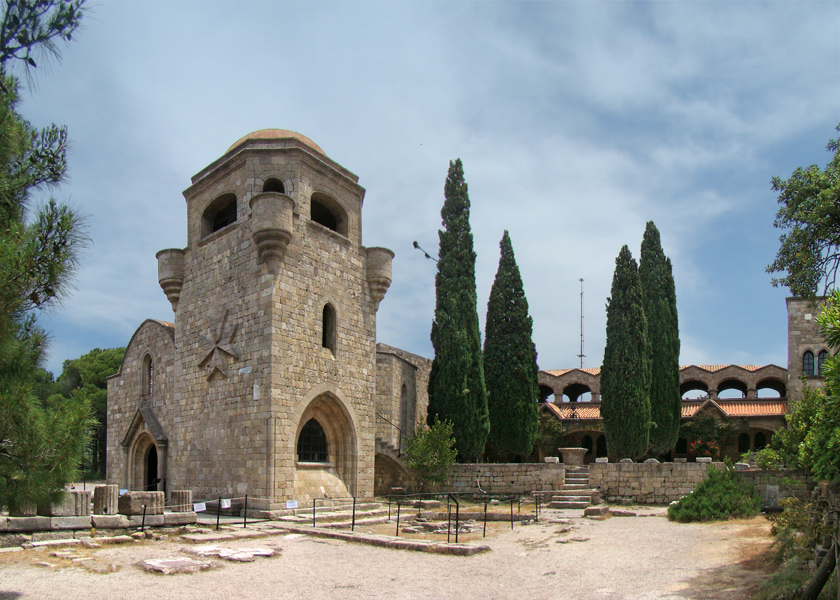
(581, 355)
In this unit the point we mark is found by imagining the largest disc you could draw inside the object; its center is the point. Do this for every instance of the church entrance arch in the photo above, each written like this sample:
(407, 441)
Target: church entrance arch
(145, 467)
(339, 457)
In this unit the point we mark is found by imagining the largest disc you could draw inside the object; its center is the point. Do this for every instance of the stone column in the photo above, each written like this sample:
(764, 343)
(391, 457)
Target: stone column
(751, 394)
(181, 501)
(105, 499)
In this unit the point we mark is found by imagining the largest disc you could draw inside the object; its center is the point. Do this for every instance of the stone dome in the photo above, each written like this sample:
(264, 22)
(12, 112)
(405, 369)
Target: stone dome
(277, 134)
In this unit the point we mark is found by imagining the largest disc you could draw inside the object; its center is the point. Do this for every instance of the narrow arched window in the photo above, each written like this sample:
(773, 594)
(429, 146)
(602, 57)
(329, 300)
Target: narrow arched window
(821, 358)
(587, 443)
(601, 446)
(808, 363)
(760, 441)
(274, 185)
(744, 443)
(312, 443)
(328, 328)
(148, 376)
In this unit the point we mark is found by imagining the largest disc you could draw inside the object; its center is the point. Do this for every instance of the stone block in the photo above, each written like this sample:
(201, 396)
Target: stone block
(151, 520)
(626, 461)
(680, 460)
(105, 499)
(132, 503)
(179, 518)
(652, 461)
(552, 459)
(602, 460)
(70, 522)
(742, 466)
(109, 521)
(28, 524)
(12, 540)
(26, 510)
(704, 459)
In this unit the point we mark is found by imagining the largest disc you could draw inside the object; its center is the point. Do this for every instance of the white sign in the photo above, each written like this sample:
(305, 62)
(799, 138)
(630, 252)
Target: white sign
(199, 507)
(225, 503)
(291, 504)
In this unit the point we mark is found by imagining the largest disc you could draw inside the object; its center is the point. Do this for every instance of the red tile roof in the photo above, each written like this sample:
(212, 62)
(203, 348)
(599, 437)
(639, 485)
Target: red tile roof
(730, 408)
(590, 371)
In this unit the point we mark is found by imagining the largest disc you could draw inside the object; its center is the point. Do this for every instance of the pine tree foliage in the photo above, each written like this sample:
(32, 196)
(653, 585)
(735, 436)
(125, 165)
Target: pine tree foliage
(41, 441)
(510, 362)
(457, 391)
(660, 305)
(625, 373)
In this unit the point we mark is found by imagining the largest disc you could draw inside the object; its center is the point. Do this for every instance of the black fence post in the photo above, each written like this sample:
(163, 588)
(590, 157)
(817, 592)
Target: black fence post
(511, 513)
(485, 516)
(457, 519)
(245, 513)
(398, 519)
(143, 522)
(218, 513)
(353, 523)
(314, 503)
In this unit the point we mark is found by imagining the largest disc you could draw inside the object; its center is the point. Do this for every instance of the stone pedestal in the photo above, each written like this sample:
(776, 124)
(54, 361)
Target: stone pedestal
(572, 457)
(181, 501)
(74, 503)
(131, 503)
(105, 498)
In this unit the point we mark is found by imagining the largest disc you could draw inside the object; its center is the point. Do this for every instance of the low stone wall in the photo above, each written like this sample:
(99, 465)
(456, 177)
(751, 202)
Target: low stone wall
(653, 483)
(773, 486)
(647, 483)
(504, 478)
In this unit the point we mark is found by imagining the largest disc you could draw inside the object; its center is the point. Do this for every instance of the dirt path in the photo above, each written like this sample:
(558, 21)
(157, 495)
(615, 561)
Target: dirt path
(618, 558)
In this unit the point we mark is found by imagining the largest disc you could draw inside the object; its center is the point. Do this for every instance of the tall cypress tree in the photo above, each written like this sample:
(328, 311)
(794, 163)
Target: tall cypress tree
(660, 304)
(625, 374)
(456, 383)
(510, 361)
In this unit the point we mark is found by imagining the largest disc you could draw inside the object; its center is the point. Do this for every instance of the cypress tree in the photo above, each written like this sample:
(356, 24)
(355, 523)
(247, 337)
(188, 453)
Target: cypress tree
(456, 383)
(625, 374)
(660, 304)
(510, 361)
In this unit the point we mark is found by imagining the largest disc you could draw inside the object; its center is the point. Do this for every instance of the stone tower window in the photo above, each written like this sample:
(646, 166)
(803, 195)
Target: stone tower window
(148, 376)
(328, 328)
(329, 213)
(312, 443)
(821, 358)
(274, 185)
(218, 214)
(808, 363)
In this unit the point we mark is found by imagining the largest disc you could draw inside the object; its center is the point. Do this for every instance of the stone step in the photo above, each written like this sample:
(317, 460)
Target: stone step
(565, 504)
(571, 498)
(576, 486)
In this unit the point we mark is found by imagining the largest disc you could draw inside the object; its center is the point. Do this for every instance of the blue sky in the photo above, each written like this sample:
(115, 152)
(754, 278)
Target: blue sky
(577, 122)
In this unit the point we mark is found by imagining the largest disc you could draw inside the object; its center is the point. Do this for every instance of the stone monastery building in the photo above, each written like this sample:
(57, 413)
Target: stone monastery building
(268, 382)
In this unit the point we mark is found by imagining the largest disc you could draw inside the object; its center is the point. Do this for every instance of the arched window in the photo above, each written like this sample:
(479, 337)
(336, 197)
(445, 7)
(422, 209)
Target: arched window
(682, 446)
(329, 213)
(760, 441)
(587, 443)
(601, 446)
(312, 443)
(274, 185)
(744, 443)
(148, 376)
(218, 214)
(328, 328)
(821, 358)
(808, 363)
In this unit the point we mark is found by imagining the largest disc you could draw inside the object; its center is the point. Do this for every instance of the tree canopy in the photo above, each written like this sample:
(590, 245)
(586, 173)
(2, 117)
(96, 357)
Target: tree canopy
(809, 216)
(660, 306)
(625, 373)
(457, 392)
(510, 361)
(41, 440)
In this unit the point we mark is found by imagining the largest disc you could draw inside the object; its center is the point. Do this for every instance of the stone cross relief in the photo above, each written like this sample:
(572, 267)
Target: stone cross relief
(221, 345)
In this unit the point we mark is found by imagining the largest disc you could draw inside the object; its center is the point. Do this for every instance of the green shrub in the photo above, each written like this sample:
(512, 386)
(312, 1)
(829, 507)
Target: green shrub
(722, 495)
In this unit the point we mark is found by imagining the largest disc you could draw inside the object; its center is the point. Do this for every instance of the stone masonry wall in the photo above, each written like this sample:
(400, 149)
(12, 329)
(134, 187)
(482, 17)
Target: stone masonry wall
(501, 478)
(803, 334)
(648, 483)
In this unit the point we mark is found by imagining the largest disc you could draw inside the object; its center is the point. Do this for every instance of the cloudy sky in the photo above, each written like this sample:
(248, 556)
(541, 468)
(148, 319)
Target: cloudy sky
(577, 122)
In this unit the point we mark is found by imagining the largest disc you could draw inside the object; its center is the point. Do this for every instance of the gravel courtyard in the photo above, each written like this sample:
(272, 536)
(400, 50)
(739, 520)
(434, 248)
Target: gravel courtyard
(563, 556)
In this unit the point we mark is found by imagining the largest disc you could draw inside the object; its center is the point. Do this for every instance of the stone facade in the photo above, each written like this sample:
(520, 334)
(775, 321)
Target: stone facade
(803, 337)
(504, 478)
(274, 329)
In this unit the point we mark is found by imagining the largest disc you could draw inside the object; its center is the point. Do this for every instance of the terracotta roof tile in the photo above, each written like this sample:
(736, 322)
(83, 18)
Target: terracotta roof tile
(715, 368)
(583, 410)
(591, 371)
(731, 408)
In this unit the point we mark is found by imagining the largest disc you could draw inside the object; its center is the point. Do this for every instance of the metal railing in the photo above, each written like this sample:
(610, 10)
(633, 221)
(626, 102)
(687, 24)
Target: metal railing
(399, 433)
